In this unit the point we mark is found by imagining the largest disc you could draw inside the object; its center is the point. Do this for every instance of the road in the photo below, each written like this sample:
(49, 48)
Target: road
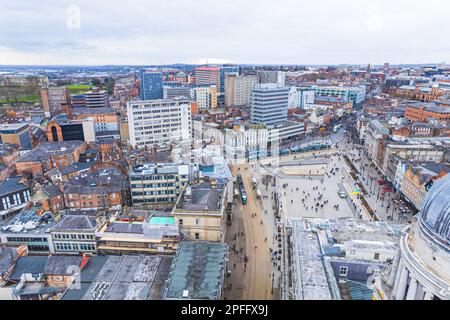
(258, 273)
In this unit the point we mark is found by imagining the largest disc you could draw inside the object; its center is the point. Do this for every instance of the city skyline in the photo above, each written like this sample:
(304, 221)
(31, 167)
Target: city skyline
(324, 32)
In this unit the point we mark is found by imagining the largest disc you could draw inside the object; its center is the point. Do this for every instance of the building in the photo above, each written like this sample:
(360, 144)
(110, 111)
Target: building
(50, 155)
(238, 89)
(154, 183)
(9, 153)
(151, 85)
(350, 94)
(269, 104)
(30, 229)
(205, 97)
(419, 177)
(14, 195)
(158, 235)
(197, 271)
(105, 119)
(102, 188)
(199, 211)
(60, 128)
(75, 234)
(421, 269)
(96, 98)
(158, 122)
(16, 133)
(223, 73)
(271, 76)
(173, 92)
(423, 112)
(375, 137)
(207, 76)
(78, 101)
(53, 99)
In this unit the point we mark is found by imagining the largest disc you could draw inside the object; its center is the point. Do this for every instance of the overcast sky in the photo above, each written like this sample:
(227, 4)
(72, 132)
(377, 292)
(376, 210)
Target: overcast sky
(238, 31)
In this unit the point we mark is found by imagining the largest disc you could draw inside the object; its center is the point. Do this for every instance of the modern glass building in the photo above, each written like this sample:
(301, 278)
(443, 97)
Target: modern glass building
(151, 86)
(269, 104)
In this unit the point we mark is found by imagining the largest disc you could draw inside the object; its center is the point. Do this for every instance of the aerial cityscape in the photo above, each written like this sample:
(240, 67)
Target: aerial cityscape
(159, 173)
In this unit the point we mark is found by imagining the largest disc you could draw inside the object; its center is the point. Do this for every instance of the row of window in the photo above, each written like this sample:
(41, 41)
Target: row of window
(74, 236)
(65, 246)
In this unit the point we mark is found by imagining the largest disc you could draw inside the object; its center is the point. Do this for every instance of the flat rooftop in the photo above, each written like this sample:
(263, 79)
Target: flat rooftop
(310, 278)
(127, 277)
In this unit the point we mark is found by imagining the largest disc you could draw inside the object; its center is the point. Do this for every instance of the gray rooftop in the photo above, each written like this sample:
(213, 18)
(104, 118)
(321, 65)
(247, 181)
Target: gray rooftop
(76, 223)
(197, 271)
(202, 197)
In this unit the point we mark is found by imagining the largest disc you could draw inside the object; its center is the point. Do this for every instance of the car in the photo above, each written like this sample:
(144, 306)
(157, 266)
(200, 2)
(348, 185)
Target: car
(342, 194)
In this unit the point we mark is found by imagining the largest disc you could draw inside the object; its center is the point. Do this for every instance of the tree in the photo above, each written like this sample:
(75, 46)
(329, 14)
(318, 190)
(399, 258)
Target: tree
(96, 82)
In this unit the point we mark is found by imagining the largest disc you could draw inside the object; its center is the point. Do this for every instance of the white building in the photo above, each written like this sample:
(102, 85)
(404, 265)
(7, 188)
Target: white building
(158, 122)
(421, 269)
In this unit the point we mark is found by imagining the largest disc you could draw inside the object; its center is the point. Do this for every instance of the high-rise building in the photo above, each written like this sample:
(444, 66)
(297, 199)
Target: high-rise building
(96, 98)
(223, 72)
(207, 76)
(269, 104)
(151, 85)
(238, 89)
(205, 97)
(158, 122)
(53, 98)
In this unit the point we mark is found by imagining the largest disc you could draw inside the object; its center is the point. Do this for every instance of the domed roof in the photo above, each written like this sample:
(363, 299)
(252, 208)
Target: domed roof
(435, 214)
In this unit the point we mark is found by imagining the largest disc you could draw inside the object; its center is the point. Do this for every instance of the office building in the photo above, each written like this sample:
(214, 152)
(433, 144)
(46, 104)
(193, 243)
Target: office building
(158, 122)
(207, 76)
(174, 92)
(60, 128)
(238, 89)
(269, 104)
(96, 98)
(154, 183)
(151, 85)
(348, 94)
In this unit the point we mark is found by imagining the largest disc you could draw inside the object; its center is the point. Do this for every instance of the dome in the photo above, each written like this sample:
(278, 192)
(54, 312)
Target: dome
(435, 213)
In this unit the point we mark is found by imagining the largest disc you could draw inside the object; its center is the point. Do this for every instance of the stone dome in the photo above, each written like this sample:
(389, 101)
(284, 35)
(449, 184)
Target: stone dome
(435, 213)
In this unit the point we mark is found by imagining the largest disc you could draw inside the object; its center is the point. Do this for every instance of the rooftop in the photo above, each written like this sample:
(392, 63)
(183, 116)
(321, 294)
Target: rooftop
(197, 271)
(48, 149)
(202, 197)
(76, 222)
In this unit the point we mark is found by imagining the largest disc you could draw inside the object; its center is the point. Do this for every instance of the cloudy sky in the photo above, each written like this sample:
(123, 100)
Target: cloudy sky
(238, 31)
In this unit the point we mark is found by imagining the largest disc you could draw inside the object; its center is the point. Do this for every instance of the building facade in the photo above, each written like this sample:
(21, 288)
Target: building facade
(158, 122)
(151, 85)
(269, 104)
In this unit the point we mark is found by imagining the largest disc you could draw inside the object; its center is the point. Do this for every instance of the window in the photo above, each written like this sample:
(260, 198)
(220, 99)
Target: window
(180, 222)
(376, 256)
(197, 236)
(343, 271)
(197, 222)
